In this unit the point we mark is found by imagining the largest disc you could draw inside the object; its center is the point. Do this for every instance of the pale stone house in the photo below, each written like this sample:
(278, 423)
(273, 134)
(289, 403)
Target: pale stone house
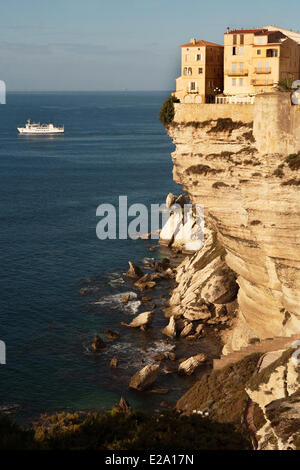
(201, 72)
(255, 60)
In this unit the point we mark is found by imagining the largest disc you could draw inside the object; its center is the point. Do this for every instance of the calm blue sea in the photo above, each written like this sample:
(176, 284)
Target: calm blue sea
(50, 188)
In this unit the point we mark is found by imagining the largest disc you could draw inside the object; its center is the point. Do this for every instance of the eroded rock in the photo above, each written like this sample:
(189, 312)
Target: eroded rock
(145, 377)
(189, 366)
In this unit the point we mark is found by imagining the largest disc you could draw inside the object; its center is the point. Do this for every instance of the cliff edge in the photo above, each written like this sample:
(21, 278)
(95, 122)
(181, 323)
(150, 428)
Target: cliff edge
(241, 162)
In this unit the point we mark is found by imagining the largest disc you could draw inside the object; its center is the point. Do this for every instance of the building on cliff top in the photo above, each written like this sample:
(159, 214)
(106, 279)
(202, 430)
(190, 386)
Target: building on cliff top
(201, 72)
(251, 61)
(256, 60)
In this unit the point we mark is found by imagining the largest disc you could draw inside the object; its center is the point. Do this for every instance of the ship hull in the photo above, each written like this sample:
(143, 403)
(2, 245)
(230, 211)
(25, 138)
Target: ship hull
(39, 132)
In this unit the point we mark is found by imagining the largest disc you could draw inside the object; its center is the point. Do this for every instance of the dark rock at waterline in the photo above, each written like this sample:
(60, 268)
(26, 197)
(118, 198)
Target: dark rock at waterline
(112, 334)
(159, 357)
(146, 298)
(134, 271)
(114, 362)
(126, 298)
(98, 344)
(162, 265)
(122, 407)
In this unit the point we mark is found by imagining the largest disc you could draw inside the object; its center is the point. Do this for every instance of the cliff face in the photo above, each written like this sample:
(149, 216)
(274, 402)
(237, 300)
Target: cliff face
(251, 199)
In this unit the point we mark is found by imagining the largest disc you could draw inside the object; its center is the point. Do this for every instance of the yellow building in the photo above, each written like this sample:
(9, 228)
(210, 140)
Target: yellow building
(201, 72)
(255, 60)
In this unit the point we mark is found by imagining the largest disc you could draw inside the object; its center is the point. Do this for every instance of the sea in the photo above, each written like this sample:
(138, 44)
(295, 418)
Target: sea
(60, 284)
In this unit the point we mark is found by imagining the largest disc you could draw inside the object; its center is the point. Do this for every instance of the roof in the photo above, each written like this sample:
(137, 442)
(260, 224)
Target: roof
(267, 33)
(246, 31)
(201, 43)
(294, 35)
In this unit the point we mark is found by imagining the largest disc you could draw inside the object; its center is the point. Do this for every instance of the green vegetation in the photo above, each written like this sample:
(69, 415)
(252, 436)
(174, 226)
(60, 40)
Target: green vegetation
(167, 111)
(292, 182)
(202, 170)
(131, 430)
(220, 184)
(198, 124)
(278, 172)
(249, 136)
(227, 125)
(255, 222)
(285, 84)
(293, 161)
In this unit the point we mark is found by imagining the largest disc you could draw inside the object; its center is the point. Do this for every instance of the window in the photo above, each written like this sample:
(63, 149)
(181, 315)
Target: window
(200, 70)
(234, 82)
(210, 84)
(193, 86)
(198, 56)
(258, 52)
(258, 65)
(241, 82)
(242, 67)
(233, 68)
(234, 51)
(268, 66)
(190, 71)
(185, 71)
(241, 39)
(234, 39)
(272, 53)
(241, 51)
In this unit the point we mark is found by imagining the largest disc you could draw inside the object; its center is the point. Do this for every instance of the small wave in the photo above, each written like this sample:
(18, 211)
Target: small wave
(115, 279)
(115, 302)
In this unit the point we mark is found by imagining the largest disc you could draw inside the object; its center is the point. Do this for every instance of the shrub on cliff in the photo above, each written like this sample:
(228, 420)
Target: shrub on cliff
(285, 84)
(133, 430)
(167, 111)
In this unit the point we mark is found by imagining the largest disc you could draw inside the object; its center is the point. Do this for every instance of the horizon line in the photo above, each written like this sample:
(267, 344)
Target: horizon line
(86, 91)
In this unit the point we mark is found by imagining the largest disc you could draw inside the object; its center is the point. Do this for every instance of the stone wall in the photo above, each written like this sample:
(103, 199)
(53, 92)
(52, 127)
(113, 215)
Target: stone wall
(190, 112)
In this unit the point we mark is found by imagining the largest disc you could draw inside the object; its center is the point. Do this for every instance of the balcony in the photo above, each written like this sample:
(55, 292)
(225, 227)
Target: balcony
(236, 73)
(262, 83)
(263, 70)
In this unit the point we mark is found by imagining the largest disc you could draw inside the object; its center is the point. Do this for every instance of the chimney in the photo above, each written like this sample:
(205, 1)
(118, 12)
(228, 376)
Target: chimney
(193, 41)
(228, 29)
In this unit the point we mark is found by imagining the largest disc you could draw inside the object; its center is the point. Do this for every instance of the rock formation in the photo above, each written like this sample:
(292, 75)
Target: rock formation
(134, 271)
(246, 175)
(145, 377)
(170, 329)
(189, 366)
(142, 320)
(98, 344)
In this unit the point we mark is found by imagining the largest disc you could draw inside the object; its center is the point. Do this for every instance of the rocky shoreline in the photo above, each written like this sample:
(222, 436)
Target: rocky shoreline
(200, 292)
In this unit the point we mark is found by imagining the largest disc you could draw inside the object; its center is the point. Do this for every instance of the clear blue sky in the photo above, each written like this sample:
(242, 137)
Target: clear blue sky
(117, 44)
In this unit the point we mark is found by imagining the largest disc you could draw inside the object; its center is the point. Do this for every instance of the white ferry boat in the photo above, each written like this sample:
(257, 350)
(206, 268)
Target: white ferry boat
(37, 128)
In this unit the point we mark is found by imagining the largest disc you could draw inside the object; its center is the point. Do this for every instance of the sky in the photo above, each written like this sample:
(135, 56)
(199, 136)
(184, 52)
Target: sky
(117, 44)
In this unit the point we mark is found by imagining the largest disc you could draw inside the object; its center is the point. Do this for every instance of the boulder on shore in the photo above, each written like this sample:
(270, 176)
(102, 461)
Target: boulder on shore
(170, 330)
(134, 271)
(187, 330)
(112, 334)
(145, 283)
(98, 343)
(145, 377)
(170, 200)
(189, 366)
(114, 362)
(143, 319)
